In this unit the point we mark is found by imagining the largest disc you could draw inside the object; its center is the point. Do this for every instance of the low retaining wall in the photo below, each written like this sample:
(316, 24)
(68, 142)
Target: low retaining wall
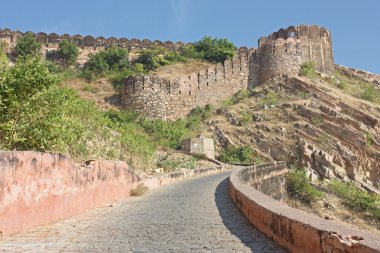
(293, 229)
(38, 188)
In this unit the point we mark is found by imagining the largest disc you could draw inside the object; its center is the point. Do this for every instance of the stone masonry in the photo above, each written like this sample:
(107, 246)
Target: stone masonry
(280, 53)
(199, 145)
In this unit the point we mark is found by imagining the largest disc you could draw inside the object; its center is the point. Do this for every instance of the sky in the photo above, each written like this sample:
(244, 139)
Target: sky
(355, 25)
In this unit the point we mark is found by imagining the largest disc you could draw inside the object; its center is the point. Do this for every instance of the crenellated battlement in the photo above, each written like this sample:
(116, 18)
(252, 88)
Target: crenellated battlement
(284, 51)
(279, 53)
(52, 40)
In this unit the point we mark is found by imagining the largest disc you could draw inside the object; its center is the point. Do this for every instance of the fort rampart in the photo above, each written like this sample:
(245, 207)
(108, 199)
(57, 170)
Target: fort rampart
(282, 52)
(86, 44)
(170, 99)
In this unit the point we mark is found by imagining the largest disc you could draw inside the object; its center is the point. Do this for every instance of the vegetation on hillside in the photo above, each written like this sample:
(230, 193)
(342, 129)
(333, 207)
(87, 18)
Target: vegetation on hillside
(298, 187)
(237, 155)
(27, 46)
(355, 198)
(210, 49)
(68, 52)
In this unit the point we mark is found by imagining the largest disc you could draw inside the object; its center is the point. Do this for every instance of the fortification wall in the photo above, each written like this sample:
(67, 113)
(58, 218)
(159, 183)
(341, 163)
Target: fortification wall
(284, 51)
(293, 229)
(273, 58)
(171, 99)
(86, 44)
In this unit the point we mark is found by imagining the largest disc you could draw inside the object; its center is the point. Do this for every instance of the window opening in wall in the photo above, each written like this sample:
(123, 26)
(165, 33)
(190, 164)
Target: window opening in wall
(180, 92)
(292, 34)
(198, 88)
(207, 84)
(189, 92)
(273, 48)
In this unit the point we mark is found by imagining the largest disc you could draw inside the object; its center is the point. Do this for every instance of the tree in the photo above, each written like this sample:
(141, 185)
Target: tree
(214, 49)
(68, 53)
(116, 57)
(27, 45)
(18, 85)
(151, 59)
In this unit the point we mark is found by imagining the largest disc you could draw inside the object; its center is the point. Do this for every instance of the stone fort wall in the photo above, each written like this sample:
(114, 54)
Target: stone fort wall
(171, 99)
(284, 51)
(281, 52)
(86, 44)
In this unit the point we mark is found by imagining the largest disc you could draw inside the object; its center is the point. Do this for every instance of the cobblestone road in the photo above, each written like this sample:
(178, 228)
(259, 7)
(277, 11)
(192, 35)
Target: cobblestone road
(194, 215)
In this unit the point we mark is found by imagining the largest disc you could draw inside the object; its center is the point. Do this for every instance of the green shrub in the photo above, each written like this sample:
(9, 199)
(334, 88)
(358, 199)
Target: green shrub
(353, 197)
(213, 49)
(152, 59)
(189, 51)
(370, 94)
(237, 155)
(308, 69)
(271, 98)
(167, 134)
(298, 187)
(68, 52)
(179, 163)
(27, 46)
(246, 118)
(37, 114)
(99, 64)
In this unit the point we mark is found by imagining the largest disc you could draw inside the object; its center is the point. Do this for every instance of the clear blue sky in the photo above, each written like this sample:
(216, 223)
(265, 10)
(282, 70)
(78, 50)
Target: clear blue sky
(355, 25)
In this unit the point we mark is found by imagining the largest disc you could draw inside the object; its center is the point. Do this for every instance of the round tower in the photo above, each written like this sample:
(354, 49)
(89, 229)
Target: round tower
(284, 51)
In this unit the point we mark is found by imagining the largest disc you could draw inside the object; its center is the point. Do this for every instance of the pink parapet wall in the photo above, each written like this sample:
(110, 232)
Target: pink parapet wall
(37, 188)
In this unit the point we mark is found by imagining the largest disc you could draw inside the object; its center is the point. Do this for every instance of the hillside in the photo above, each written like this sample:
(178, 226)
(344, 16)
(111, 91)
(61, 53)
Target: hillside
(315, 123)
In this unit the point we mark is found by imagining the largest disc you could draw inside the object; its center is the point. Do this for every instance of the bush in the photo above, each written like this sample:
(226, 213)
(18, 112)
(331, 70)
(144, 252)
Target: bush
(152, 59)
(298, 187)
(68, 53)
(140, 190)
(167, 134)
(237, 155)
(370, 94)
(197, 115)
(27, 46)
(37, 114)
(308, 69)
(99, 64)
(213, 49)
(355, 198)
(271, 98)
(174, 164)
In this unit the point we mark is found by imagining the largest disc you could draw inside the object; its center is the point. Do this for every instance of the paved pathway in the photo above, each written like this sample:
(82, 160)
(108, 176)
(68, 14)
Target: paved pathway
(194, 215)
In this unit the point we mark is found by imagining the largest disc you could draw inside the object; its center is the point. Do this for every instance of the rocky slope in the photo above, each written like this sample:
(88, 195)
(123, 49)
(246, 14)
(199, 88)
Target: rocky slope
(306, 122)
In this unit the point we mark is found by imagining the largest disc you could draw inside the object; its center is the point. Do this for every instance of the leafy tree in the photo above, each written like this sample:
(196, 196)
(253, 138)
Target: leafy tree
(152, 59)
(113, 58)
(96, 65)
(27, 45)
(68, 52)
(18, 85)
(116, 57)
(215, 50)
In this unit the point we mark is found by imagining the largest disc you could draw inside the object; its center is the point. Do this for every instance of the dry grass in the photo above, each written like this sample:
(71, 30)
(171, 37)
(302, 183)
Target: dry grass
(101, 92)
(140, 190)
(181, 68)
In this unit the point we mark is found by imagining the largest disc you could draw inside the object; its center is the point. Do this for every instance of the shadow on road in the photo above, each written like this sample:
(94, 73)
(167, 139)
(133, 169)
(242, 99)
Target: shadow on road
(238, 225)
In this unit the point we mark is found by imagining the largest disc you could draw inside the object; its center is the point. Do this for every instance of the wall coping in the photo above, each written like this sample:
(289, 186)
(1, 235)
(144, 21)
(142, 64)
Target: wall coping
(282, 213)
